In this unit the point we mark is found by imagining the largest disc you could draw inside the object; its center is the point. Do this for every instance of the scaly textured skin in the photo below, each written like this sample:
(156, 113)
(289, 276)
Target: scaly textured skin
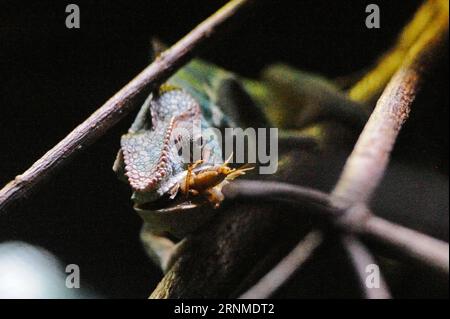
(153, 165)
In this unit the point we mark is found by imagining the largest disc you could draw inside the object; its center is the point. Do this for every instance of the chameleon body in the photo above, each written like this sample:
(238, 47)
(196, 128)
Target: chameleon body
(150, 161)
(168, 189)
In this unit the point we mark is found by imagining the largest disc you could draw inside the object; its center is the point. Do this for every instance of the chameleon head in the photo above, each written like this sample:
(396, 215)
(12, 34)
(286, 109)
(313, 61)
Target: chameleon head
(150, 158)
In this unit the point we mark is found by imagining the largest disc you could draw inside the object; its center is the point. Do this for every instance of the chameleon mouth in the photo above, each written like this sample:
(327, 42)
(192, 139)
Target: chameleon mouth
(169, 203)
(166, 204)
(201, 185)
(178, 216)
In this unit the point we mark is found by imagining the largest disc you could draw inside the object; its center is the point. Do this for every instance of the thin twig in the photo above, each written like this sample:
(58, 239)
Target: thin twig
(278, 191)
(285, 269)
(361, 257)
(409, 243)
(117, 106)
(366, 165)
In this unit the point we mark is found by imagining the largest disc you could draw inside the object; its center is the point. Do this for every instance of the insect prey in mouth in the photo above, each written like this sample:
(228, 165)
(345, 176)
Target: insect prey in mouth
(209, 183)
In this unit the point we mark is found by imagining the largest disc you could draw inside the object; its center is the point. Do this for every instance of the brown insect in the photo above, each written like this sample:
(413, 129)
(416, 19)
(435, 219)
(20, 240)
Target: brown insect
(209, 182)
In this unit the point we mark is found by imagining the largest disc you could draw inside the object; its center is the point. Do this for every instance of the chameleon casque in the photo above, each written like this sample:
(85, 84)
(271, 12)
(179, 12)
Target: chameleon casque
(175, 195)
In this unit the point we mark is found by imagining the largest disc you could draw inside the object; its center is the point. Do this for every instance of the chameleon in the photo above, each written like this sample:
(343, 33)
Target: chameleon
(175, 194)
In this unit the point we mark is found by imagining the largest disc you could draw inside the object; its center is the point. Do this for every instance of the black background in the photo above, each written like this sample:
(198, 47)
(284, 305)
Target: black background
(52, 78)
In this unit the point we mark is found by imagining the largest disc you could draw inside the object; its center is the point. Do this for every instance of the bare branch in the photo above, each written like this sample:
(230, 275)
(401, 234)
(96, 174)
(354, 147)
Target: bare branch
(286, 268)
(366, 165)
(278, 191)
(118, 106)
(409, 243)
(361, 258)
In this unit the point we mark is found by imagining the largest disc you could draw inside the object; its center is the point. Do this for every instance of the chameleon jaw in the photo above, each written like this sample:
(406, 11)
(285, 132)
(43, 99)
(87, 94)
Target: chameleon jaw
(168, 197)
(199, 184)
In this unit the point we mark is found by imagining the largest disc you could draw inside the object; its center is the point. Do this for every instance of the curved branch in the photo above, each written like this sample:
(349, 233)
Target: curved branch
(118, 106)
(268, 190)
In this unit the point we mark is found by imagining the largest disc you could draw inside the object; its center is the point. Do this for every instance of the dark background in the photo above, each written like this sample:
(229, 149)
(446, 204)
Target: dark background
(52, 78)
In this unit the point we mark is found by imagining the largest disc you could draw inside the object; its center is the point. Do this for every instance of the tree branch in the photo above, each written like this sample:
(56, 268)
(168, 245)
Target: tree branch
(409, 243)
(265, 190)
(118, 106)
(366, 165)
